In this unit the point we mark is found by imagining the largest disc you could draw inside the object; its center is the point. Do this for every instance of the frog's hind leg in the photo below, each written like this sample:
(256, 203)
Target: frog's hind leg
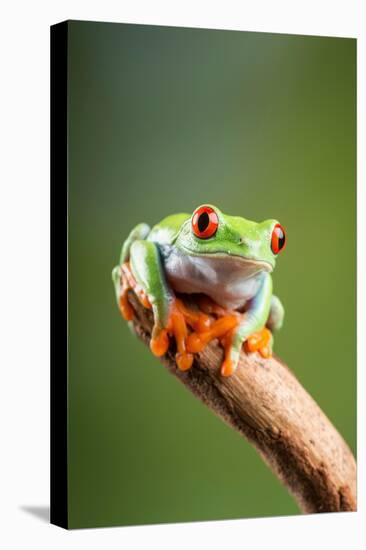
(276, 314)
(139, 232)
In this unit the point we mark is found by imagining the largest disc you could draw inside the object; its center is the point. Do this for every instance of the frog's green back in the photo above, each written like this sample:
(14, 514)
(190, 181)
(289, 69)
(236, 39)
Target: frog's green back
(166, 231)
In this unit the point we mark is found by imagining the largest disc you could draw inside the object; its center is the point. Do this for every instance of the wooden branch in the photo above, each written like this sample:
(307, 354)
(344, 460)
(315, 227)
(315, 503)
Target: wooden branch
(265, 402)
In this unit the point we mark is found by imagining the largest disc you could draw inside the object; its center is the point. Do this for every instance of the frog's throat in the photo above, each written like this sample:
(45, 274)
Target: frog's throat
(262, 265)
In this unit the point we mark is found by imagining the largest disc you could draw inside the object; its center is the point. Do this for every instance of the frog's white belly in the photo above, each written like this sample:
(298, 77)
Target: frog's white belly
(229, 281)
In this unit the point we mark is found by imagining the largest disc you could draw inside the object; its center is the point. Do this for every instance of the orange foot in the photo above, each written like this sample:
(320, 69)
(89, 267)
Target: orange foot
(260, 341)
(203, 328)
(192, 328)
(197, 341)
(223, 328)
(180, 317)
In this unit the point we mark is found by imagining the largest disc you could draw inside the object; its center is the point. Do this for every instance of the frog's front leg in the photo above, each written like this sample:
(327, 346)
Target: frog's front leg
(169, 315)
(251, 329)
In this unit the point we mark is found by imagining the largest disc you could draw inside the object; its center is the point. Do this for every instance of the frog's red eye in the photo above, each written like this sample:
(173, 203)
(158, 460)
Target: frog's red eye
(278, 241)
(205, 222)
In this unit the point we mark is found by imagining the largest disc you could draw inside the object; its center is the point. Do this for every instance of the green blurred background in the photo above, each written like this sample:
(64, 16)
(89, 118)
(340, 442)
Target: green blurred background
(161, 120)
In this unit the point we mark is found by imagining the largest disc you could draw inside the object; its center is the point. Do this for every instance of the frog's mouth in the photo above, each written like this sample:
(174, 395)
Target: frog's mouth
(236, 260)
(247, 266)
(263, 264)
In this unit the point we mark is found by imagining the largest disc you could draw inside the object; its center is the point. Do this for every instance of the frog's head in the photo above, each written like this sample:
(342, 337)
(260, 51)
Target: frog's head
(213, 234)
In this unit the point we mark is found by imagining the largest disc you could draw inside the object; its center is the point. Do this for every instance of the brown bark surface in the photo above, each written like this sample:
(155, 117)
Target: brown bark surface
(265, 402)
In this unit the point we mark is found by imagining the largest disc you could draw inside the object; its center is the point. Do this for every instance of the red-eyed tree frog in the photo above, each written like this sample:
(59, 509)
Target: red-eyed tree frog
(224, 263)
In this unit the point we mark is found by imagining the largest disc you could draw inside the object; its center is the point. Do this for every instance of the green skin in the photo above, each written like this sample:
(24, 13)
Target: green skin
(232, 267)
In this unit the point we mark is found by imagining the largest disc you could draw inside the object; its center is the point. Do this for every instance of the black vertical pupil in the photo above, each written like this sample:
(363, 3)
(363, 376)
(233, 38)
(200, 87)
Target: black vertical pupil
(203, 221)
(281, 239)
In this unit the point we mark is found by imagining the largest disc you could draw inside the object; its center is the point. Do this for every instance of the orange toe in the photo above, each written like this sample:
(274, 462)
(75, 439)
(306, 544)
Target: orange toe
(159, 344)
(227, 368)
(265, 352)
(260, 341)
(184, 360)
